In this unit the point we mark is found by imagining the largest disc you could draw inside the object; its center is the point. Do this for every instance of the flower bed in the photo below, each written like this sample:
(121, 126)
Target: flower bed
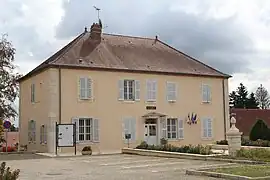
(245, 142)
(198, 149)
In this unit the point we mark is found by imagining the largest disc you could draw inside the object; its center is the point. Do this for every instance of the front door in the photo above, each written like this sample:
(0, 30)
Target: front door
(150, 134)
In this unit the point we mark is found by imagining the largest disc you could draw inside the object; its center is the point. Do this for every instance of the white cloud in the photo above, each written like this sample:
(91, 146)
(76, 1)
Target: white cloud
(32, 26)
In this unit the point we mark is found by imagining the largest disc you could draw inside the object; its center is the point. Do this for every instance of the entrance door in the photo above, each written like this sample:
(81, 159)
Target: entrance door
(150, 135)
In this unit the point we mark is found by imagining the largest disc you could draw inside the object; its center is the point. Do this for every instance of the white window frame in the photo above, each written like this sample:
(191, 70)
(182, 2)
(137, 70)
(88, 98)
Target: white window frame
(171, 125)
(129, 95)
(94, 130)
(206, 121)
(43, 134)
(171, 93)
(33, 89)
(151, 90)
(206, 93)
(85, 93)
(84, 129)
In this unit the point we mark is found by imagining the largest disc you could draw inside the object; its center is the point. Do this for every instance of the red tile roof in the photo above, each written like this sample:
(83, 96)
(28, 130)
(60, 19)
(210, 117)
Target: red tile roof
(246, 118)
(126, 53)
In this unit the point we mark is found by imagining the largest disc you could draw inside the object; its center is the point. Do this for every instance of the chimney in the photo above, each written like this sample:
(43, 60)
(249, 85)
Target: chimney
(95, 32)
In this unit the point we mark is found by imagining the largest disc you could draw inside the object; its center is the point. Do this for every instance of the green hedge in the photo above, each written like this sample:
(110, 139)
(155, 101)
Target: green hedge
(246, 142)
(198, 149)
(254, 154)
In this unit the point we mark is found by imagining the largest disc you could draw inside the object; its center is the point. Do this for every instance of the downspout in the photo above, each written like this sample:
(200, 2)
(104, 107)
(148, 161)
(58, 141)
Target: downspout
(60, 94)
(224, 107)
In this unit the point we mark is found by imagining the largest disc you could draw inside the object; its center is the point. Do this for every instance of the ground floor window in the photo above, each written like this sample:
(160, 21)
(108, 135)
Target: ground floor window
(85, 125)
(172, 128)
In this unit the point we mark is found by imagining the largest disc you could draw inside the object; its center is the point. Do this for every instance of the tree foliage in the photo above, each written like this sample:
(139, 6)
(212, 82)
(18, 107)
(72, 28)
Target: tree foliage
(262, 96)
(242, 99)
(8, 79)
(259, 131)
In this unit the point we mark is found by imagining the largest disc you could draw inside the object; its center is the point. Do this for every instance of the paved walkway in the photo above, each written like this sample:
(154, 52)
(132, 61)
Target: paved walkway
(118, 167)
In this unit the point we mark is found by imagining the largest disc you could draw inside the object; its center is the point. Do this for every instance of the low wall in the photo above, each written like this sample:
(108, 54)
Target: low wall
(166, 154)
(225, 147)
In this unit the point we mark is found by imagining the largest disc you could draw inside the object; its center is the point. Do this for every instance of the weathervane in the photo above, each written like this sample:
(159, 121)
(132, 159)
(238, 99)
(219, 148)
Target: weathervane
(98, 9)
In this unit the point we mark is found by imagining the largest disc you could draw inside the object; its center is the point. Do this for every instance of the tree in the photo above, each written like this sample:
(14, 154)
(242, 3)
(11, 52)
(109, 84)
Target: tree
(252, 103)
(8, 79)
(262, 97)
(259, 131)
(13, 128)
(233, 99)
(239, 98)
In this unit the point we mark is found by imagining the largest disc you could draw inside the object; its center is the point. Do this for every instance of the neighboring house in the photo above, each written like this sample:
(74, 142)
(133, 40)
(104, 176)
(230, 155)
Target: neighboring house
(113, 85)
(246, 118)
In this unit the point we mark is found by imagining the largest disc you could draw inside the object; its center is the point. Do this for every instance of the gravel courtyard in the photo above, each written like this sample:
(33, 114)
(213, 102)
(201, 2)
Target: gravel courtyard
(107, 167)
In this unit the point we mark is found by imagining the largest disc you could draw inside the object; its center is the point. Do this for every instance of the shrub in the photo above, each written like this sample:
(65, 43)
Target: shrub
(222, 142)
(199, 149)
(163, 141)
(259, 131)
(7, 174)
(87, 148)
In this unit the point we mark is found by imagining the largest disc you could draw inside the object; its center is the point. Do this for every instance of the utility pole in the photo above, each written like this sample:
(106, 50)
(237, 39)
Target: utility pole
(97, 9)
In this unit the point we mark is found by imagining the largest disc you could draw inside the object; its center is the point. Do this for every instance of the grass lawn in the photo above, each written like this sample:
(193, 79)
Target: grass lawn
(250, 171)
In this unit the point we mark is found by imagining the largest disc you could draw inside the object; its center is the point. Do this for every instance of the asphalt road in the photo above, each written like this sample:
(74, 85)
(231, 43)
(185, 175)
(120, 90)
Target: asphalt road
(107, 167)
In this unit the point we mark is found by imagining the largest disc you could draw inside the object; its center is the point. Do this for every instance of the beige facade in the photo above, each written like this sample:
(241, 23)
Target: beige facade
(111, 86)
(110, 113)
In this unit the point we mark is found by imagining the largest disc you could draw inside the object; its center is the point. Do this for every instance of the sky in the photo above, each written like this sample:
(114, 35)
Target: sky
(232, 36)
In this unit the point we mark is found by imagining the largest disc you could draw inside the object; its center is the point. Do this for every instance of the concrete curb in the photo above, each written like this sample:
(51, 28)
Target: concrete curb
(214, 157)
(225, 147)
(206, 172)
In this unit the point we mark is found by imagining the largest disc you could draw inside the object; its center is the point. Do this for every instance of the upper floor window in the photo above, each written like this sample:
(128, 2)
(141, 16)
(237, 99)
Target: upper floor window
(85, 88)
(171, 91)
(129, 90)
(32, 93)
(151, 90)
(206, 93)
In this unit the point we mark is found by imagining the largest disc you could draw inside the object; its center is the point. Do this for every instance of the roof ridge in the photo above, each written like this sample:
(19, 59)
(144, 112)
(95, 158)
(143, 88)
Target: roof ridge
(194, 59)
(130, 36)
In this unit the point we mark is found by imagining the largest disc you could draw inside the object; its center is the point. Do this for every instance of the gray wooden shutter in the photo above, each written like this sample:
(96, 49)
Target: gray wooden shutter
(137, 90)
(204, 93)
(76, 122)
(89, 88)
(163, 129)
(180, 128)
(204, 128)
(132, 123)
(34, 131)
(121, 90)
(96, 130)
(209, 93)
(154, 90)
(209, 128)
(45, 134)
(126, 128)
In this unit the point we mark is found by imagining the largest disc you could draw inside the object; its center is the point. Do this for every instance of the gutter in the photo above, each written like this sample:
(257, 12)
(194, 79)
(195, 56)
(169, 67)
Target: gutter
(60, 95)
(224, 107)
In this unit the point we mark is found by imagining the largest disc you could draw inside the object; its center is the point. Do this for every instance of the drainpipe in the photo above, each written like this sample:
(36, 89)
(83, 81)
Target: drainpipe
(224, 107)
(60, 94)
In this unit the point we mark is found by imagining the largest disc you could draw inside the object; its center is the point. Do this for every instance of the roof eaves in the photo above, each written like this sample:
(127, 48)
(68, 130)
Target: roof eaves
(51, 59)
(192, 58)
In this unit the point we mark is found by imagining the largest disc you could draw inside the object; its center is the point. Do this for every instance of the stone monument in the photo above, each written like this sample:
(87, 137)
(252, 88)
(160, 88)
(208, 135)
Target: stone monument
(234, 138)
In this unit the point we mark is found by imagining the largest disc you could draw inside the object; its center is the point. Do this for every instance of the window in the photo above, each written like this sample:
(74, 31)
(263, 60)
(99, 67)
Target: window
(151, 92)
(32, 93)
(207, 129)
(43, 134)
(206, 93)
(32, 131)
(129, 90)
(85, 88)
(171, 91)
(129, 127)
(87, 129)
(171, 128)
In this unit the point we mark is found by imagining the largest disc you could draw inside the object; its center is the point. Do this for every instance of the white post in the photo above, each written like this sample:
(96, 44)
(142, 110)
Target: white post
(234, 138)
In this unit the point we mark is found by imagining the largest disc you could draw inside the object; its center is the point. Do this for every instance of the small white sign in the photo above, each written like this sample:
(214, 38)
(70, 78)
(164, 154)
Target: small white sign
(65, 135)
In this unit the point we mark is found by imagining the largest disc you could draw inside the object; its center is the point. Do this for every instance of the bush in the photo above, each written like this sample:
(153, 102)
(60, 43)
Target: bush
(199, 149)
(254, 154)
(7, 174)
(87, 148)
(259, 131)
(222, 142)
